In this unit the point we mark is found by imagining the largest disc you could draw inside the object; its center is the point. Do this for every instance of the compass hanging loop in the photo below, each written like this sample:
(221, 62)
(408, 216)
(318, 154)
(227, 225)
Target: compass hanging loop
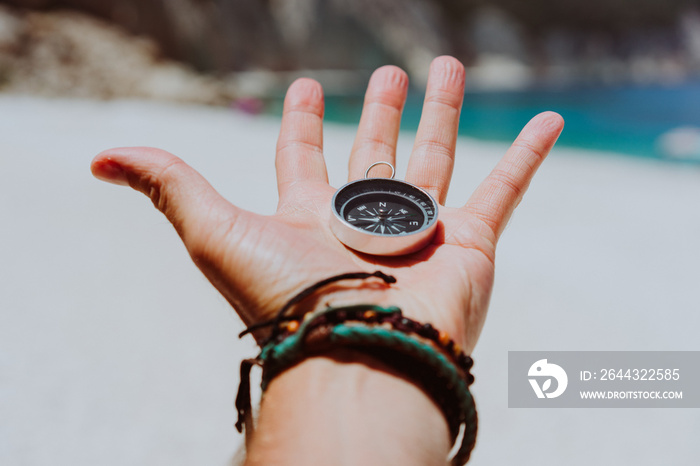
(381, 162)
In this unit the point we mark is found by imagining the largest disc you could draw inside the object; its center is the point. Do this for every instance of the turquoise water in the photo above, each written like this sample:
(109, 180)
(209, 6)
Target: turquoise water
(621, 119)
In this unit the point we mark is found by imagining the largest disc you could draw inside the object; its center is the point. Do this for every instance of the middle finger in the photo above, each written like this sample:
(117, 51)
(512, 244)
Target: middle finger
(379, 125)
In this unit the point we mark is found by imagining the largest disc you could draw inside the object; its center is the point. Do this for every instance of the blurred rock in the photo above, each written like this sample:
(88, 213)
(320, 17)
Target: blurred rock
(72, 54)
(495, 32)
(689, 26)
(500, 48)
(505, 44)
(680, 143)
(409, 30)
(222, 36)
(499, 72)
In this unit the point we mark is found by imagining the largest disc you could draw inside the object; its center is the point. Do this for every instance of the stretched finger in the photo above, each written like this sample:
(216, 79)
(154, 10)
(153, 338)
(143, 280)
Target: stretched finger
(432, 160)
(176, 189)
(380, 122)
(300, 143)
(500, 193)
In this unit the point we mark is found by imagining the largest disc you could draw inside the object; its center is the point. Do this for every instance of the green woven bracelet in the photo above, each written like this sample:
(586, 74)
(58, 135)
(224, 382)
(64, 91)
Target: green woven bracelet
(388, 344)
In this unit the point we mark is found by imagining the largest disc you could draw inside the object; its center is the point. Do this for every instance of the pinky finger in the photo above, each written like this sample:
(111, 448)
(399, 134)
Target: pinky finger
(500, 193)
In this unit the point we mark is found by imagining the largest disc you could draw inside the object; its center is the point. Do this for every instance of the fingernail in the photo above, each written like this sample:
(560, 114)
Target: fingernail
(111, 172)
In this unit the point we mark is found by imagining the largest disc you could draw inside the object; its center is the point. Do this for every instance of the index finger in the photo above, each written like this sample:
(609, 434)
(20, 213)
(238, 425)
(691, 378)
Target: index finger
(300, 144)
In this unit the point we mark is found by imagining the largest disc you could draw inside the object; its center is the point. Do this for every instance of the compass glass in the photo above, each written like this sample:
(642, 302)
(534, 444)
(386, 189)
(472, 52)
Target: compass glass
(383, 216)
(384, 213)
(385, 207)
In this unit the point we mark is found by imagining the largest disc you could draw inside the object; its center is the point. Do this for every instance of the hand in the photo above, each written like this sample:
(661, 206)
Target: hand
(259, 262)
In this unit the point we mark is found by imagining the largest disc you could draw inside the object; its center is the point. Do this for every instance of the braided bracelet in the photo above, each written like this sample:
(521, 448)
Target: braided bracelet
(429, 357)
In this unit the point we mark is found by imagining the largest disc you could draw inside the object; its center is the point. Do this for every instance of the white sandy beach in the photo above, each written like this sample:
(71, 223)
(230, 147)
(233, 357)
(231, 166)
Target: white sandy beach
(115, 350)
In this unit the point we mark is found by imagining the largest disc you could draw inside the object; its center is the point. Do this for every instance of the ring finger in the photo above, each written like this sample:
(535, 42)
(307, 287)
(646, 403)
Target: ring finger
(432, 160)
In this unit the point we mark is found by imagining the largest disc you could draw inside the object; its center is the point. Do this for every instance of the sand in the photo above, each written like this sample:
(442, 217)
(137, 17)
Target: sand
(115, 350)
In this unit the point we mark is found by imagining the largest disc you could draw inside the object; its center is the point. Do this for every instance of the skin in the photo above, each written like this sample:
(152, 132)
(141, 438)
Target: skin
(448, 283)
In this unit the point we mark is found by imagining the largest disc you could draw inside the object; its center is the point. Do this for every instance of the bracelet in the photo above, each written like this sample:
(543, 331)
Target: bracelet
(427, 356)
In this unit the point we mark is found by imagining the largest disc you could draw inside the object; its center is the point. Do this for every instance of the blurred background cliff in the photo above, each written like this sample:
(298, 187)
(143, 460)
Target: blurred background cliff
(505, 43)
(625, 71)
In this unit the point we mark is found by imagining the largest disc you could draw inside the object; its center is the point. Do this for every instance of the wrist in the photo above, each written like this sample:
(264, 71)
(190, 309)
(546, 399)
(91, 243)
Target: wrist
(322, 409)
(429, 367)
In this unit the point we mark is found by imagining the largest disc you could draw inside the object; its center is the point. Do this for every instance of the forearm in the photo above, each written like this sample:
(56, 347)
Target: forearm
(347, 409)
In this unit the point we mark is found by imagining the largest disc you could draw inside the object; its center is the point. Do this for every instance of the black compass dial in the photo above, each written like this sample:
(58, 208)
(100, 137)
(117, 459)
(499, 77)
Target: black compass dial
(384, 213)
(383, 216)
(385, 207)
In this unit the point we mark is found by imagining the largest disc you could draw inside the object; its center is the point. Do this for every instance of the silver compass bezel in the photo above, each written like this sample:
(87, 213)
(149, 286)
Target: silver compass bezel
(376, 243)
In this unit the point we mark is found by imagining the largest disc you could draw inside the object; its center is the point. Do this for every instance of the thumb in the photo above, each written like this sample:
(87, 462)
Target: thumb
(176, 189)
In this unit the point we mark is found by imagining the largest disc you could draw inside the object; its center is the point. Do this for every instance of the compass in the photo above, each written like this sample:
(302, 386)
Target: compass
(383, 216)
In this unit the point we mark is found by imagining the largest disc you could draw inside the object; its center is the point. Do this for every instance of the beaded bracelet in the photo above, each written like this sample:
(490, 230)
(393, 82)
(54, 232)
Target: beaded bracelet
(427, 356)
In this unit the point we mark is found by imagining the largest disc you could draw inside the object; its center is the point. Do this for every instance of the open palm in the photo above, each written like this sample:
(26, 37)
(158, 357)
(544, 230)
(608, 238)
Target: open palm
(259, 262)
